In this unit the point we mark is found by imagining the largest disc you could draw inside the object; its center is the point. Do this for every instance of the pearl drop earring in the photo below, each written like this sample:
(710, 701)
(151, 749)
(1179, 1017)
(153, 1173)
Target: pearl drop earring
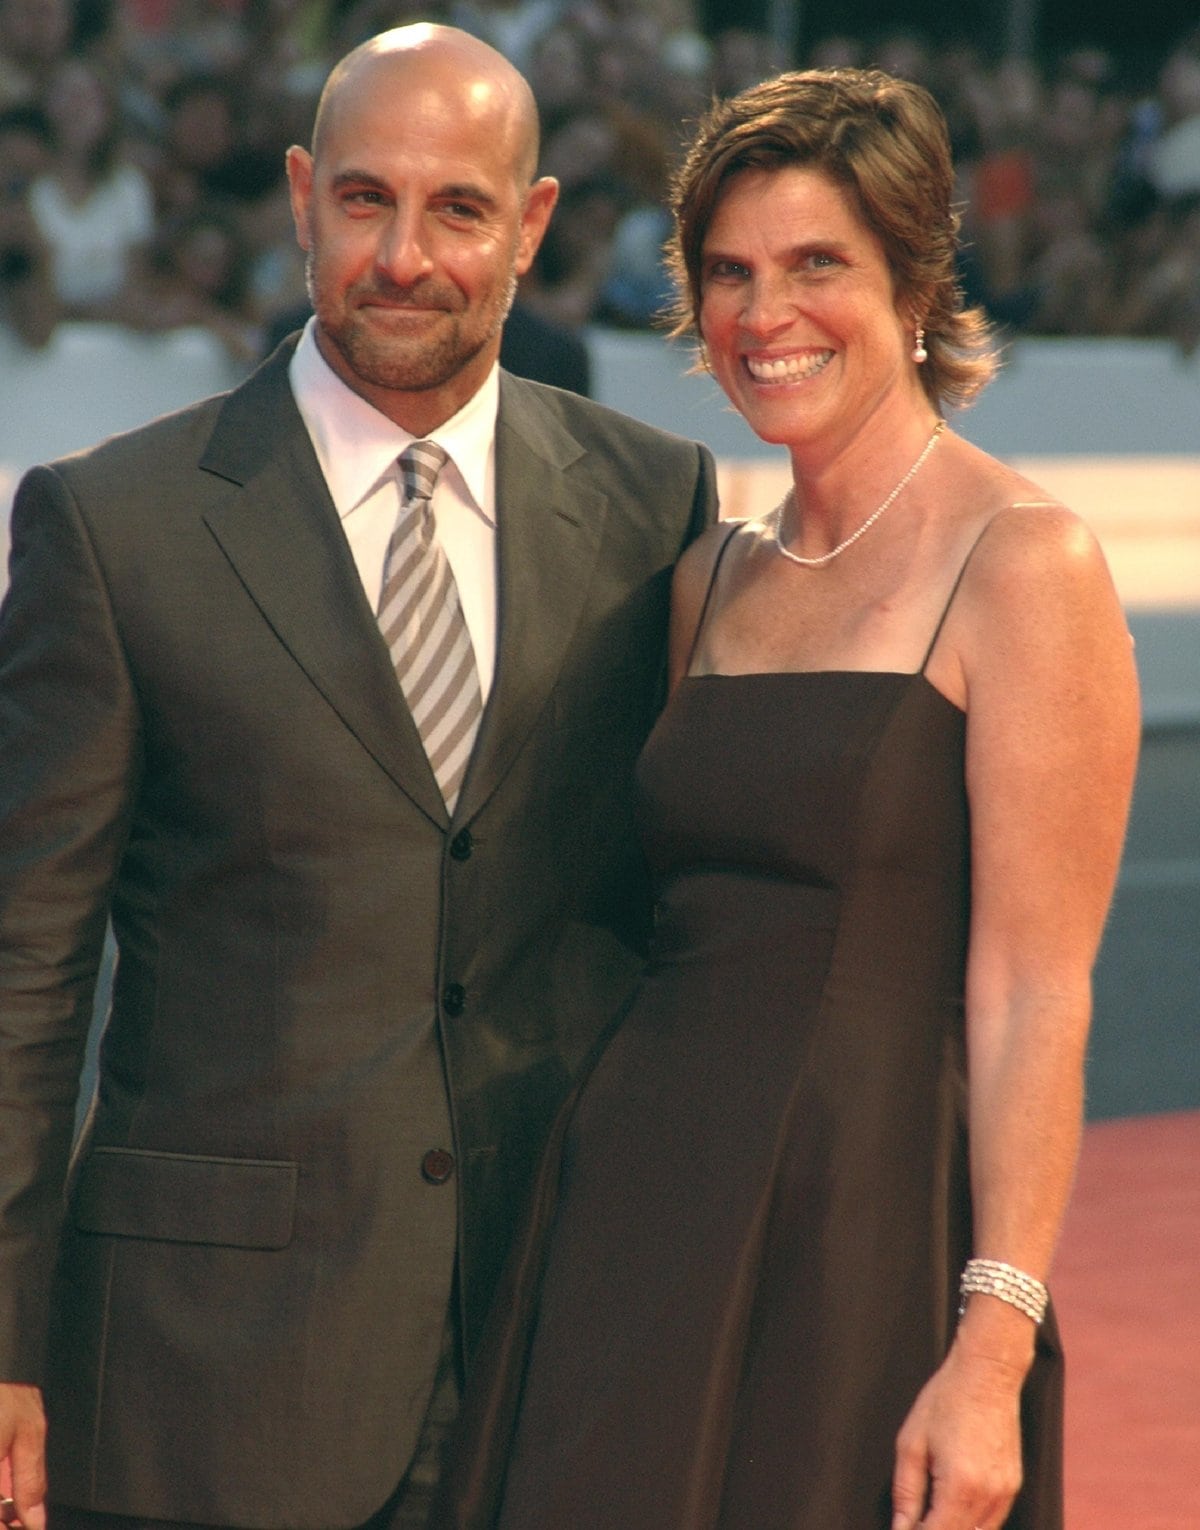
(919, 353)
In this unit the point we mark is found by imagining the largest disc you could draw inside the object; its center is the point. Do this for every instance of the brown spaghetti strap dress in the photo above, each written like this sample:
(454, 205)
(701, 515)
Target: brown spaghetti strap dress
(742, 1264)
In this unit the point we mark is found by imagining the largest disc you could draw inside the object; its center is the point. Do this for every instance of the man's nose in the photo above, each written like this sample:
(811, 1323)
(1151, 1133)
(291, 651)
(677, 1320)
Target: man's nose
(404, 249)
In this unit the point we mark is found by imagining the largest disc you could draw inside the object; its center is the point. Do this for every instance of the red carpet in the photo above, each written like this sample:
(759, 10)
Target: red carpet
(1127, 1287)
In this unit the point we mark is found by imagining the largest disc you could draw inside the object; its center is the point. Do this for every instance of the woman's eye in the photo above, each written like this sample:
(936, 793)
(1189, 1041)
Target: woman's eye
(724, 270)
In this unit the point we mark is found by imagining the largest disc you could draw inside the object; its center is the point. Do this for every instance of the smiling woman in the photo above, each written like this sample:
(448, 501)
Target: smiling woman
(783, 320)
(888, 170)
(789, 1266)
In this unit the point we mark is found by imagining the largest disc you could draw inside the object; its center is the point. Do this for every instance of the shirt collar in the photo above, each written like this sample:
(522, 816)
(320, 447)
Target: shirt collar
(357, 446)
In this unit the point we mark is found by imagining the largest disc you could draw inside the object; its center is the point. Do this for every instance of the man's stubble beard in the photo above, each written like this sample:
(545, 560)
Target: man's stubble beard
(403, 366)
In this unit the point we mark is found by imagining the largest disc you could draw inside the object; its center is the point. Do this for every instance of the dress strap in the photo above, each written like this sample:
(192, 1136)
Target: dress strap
(708, 594)
(1021, 504)
(941, 622)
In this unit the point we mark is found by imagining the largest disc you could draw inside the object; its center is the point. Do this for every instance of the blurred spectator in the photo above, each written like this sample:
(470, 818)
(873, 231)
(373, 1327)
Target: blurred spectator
(1066, 281)
(1077, 176)
(1067, 231)
(1163, 297)
(1151, 228)
(1174, 161)
(167, 39)
(741, 58)
(999, 110)
(350, 22)
(208, 151)
(536, 347)
(635, 288)
(28, 305)
(615, 84)
(905, 54)
(563, 285)
(284, 48)
(197, 272)
(93, 208)
(222, 145)
(513, 27)
(561, 77)
(34, 37)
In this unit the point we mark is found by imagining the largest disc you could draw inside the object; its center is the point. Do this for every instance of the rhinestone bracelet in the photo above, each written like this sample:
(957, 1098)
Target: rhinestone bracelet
(990, 1277)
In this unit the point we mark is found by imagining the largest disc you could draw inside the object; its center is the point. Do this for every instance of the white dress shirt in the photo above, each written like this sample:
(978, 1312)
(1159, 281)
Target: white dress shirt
(357, 448)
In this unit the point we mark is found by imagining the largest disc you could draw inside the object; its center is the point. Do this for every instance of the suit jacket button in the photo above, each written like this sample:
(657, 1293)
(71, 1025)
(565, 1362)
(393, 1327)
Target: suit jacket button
(461, 845)
(437, 1166)
(454, 999)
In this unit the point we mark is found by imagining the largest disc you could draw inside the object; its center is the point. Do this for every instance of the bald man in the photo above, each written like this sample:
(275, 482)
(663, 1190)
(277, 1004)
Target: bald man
(358, 964)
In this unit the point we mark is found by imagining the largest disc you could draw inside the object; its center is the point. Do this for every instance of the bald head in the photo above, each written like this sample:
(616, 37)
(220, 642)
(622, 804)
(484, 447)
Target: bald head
(419, 213)
(431, 60)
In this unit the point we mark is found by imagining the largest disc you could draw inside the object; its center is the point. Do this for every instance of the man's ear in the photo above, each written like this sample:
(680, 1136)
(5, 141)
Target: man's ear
(300, 185)
(535, 219)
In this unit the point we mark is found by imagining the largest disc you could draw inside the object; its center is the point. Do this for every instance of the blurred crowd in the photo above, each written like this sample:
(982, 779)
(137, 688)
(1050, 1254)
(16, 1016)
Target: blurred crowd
(142, 144)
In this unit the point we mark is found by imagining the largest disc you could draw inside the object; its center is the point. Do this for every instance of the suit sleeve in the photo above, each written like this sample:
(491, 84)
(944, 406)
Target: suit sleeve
(68, 758)
(704, 506)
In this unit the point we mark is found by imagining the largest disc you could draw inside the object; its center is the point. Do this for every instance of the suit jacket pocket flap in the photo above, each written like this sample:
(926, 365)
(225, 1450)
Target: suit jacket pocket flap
(183, 1198)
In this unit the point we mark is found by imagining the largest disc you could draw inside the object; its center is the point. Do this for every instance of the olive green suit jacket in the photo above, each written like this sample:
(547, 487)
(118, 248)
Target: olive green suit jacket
(340, 1023)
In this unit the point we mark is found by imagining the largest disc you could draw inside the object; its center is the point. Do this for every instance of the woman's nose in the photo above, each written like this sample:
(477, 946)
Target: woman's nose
(767, 307)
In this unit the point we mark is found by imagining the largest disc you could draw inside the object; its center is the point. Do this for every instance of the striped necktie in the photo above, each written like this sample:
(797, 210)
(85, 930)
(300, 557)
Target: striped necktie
(421, 619)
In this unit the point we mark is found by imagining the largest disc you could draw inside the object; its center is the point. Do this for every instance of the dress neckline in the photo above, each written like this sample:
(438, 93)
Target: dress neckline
(874, 674)
(726, 543)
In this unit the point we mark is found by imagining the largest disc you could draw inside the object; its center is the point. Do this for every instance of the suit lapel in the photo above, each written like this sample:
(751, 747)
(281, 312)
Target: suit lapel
(280, 532)
(550, 524)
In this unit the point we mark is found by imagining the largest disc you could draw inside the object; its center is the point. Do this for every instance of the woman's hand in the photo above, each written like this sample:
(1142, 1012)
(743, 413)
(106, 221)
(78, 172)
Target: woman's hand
(958, 1454)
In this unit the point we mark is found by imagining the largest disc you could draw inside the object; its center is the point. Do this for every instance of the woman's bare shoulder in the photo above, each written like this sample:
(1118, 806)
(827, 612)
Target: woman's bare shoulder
(1018, 533)
(1033, 543)
(694, 570)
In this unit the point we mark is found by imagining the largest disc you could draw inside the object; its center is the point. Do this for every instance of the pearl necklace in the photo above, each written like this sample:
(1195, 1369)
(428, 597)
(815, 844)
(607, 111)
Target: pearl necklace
(790, 499)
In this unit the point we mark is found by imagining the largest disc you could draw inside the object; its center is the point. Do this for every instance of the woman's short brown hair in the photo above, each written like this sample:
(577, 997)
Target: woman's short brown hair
(885, 141)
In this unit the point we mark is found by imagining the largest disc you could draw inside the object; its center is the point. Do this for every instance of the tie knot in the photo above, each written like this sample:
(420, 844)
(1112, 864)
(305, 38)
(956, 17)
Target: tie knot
(420, 465)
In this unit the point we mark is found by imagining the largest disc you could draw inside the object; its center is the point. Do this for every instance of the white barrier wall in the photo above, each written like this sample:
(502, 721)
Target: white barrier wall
(1111, 426)
(91, 381)
(1052, 398)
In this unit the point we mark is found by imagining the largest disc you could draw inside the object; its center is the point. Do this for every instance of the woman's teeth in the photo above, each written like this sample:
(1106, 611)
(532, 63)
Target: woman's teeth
(787, 368)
